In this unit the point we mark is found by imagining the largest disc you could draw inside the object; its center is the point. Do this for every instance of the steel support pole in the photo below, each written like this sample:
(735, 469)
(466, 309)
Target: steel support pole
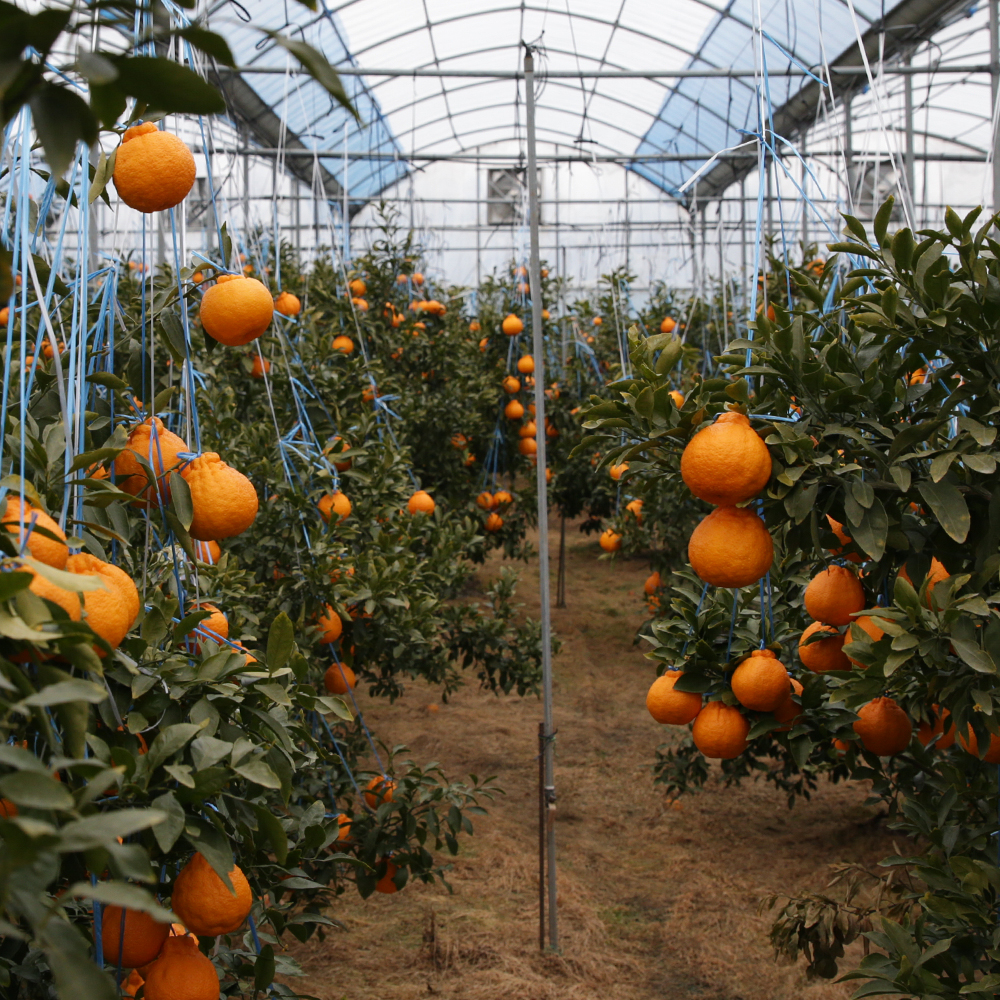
(347, 207)
(535, 272)
(994, 87)
(849, 151)
(908, 135)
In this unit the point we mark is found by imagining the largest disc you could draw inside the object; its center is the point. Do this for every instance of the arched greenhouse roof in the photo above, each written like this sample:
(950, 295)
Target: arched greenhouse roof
(664, 127)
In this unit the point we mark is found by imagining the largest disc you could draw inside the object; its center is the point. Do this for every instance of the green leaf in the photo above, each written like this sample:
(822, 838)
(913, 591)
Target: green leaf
(180, 499)
(949, 508)
(977, 658)
(170, 740)
(167, 832)
(263, 969)
(167, 86)
(271, 826)
(122, 894)
(65, 692)
(34, 790)
(107, 379)
(106, 828)
(280, 641)
(210, 43)
(257, 771)
(62, 118)
(11, 583)
(871, 533)
(316, 65)
(881, 222)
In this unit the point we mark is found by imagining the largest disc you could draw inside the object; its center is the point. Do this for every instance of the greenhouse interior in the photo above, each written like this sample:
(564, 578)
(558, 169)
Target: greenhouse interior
(500, 500)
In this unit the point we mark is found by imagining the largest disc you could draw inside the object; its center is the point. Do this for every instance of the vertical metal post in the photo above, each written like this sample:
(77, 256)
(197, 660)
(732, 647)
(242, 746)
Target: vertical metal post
(849, 152)
(804, 177)
(347, 206)
(908, 132)
(994, 87)
(542, 810)
(479, 222)
(627, 233)
(535, 278)
(743, 230)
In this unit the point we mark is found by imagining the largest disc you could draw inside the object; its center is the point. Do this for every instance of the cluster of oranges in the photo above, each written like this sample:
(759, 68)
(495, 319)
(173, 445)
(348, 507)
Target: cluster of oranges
(223, 500)
(111, 609)
(165, 958)
(492, 502)
(726, 464)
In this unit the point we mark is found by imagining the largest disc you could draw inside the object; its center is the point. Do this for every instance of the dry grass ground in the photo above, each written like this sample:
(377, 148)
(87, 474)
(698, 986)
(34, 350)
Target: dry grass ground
(655, 902)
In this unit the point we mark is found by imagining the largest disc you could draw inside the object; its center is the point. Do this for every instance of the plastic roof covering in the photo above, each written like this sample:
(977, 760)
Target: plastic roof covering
(412, 115)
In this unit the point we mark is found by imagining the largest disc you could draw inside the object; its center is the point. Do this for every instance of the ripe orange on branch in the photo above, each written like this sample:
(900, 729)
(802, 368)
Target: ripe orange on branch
(342, 345)
(287, 304)
(726, 462)
(154, 170)
(223, 500)
(926, 731)
(838, 529)
(731, 548)
(834, 595)
(670, 706)
(111, 610)
(181, 972)
(158, 448)
(526, 364)
(885, 729)
(143, 937)
(65, 599)
(421, 503)
(935, 575)
(512, 325)
(379, 790)
(720, 731)
(760, 682)
(339, 678)
(330, 624)
(334, 505)
(823, 654)
(20, 518)
(789, 711)
(236, 310)
(202, 901)
(610, 541)
(970, 744)
(494, 523)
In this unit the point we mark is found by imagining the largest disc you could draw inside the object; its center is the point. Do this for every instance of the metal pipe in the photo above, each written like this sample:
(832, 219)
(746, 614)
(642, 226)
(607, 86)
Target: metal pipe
(624, 159)
(994, 88)
(612, 74)
(347, 206)
(908, 131)
(535, 278)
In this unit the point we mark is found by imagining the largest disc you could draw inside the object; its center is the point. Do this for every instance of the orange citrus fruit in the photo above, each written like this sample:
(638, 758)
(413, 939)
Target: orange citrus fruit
(971, 745)
(204, 904)
(111, 610)
(789, 711)
(833, 595)
(236, 310)
(610, 541)
(339, 678)
(143, 937)
(669, 706)
(726, 462)
(936, 574)
(885, 729)
(527, 446)
(667, 324)
(335, 505)
(760, 682)
(485, 501)
(823, 654)
(182, 972)
(731, 548)
(845, 539)
(494, 523)
(421, 503)
(511, 384)
(512, 325)
(21, 518)
(379, 790)
(287, 304)
(66, 599)
(720, 731)
(330, 624)
(652, 584)
(158, 448)
(224, 501)
(926, 731)
(526, 364)
(154, 170)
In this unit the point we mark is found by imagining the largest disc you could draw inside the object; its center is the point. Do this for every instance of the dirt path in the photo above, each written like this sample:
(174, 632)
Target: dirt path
(655, 902)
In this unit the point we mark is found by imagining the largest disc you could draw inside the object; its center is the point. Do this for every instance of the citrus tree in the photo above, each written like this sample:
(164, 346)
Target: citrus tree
(840, 613)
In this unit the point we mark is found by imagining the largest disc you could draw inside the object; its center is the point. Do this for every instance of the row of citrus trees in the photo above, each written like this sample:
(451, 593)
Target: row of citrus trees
(837, 611)
(209, 542)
